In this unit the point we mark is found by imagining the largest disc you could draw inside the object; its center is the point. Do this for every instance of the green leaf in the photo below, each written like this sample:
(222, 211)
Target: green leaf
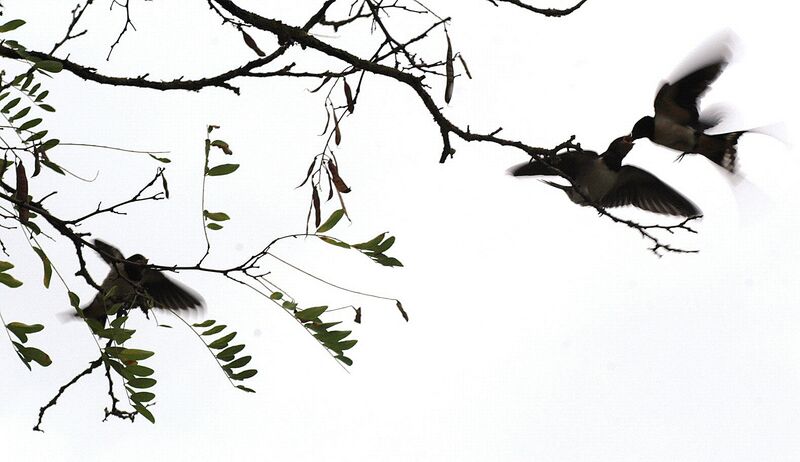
(222, 342)
(93, 324)
(346, 345)
(242, 387)
(345, 359)
(276, 296)
(52, 166)
(117, 334)
(132, 354)
(9, 280)
(216, 216)
(207, 323)
(49, 66)
(335, 242)
(21, 330)
(27, 82)
(33, 227)
(142, 396)
(74, 300)
(166, 326)
(372, 244)
(214, 226)
(49, 144)
(332, 336)
(230, 351)
(47, 107)
(145, 412)
(11, 25)
(241, 362)
(322, 326)
(340, 346)
(141, 382)
(385, 245)
(42, 96)
(309, 314)
(163, 160)
(18, 79)
(48, 268)
(119, 368)
(5, 266)
(10, 105)
(114, 351)
(243, 375)
(119, 321)
(36, 136)
(289, 305)
(37, 355)
(139, 370)
(215, 330)
(22, 113)
(386, 261)
(30, 124)
(223, 169)
(331, 221)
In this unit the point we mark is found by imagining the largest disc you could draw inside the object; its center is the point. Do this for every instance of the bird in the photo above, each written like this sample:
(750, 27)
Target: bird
(131, 283)
(605, 182)
(677, 122)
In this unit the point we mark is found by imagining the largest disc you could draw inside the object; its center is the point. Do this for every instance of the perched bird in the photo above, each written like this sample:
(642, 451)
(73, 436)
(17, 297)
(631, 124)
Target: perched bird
(131, 283)
(607, 183)
(677, 123)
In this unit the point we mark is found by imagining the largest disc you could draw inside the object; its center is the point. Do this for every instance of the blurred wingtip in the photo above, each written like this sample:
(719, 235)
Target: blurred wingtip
(724, 45)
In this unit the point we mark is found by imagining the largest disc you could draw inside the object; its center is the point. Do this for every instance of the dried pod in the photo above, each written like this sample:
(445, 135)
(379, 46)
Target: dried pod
(464, 63)
(337, 134)
(252, 43)
(308, 173)
(348, 95)
(338, 182)
(22, 193)
(449, 73)
(317, 211)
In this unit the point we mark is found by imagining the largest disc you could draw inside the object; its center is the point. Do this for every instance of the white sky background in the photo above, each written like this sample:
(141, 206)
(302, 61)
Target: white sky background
(538, 330)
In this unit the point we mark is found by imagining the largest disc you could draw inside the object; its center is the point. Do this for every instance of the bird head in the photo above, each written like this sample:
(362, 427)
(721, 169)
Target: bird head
(621, 145)
(134, 265)
(643, 128)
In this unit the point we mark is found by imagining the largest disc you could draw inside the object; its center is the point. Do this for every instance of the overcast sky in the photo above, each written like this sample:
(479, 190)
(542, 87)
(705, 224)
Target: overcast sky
(538, 331)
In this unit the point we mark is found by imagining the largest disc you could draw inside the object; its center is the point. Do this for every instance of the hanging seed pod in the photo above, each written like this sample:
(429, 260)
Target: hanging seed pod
(449, 73)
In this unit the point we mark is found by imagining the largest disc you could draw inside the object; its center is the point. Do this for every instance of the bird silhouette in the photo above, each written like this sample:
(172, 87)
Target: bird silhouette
(607, 183)
(134, 285)
(677, 122)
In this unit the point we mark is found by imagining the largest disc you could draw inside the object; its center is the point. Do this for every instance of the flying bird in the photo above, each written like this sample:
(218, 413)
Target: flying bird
(607, 183)
(677, 122)
(136, 286)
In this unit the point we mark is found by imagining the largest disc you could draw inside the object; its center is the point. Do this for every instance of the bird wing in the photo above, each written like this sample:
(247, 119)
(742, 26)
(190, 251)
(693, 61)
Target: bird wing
(642, 189)
(169, 294)
(105, 250)
(678, 101)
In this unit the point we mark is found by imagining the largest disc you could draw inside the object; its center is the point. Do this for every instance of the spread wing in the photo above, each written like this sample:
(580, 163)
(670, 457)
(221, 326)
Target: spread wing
(169, 294)
(678, 101)
(105, 250)
(642, 189)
